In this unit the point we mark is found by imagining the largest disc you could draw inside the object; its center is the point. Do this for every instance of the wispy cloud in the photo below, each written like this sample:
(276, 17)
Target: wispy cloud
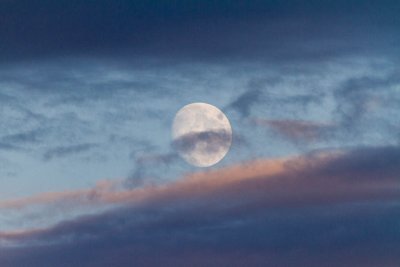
(213, 141)
(89, 196)
(299, 130)
(358, 97)
(280, 179)
(64, 151)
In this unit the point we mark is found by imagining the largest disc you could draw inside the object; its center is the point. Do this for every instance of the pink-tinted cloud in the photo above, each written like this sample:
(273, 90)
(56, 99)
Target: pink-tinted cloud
(316, 178)
(88, 196)
(111, 192)
(298, 130)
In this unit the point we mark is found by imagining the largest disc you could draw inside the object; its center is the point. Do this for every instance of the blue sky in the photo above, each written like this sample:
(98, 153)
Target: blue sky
(88, 93)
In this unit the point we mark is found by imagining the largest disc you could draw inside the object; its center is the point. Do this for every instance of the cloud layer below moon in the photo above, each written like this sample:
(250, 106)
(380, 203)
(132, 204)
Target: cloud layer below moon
(296, 209)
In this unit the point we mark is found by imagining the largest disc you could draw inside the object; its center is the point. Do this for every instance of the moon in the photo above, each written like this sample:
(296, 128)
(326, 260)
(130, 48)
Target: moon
(201, 134)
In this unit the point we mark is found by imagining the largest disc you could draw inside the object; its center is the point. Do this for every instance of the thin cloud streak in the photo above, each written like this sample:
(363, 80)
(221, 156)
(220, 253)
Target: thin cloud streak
(299, 130)
(64, 151)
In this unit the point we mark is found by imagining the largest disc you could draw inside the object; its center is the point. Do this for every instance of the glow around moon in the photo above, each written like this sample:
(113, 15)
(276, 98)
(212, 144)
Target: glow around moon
(202, 134)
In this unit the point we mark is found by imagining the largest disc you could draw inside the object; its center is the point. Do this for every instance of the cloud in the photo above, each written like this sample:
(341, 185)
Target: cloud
(205, 141)
(89, 196)
(145, 164)
(195, 29)
(25, 137)
(299, 130)
(21, 140)
(360, 96)
(263, 92)
(64, 151)
(7, 146)
(312, 209)
(245, 101)
(353, 174)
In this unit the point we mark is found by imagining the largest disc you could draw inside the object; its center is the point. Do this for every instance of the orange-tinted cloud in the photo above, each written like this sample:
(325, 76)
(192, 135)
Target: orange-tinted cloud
(195, 184)
(322, 177)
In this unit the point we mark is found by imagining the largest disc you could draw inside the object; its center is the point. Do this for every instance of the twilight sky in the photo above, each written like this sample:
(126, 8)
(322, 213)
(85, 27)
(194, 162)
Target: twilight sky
(88, 94)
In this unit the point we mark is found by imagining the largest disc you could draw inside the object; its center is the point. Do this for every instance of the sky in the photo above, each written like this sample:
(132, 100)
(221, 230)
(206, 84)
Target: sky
(88, 171)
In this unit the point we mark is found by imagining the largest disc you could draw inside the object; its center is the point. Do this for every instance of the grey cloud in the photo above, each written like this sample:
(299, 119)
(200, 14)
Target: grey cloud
(64, 151)
(213, 141)
(245, 101)
(299, 131)
(377, 164)
(145, 166)
(156, 158)
(352, 108)
(32, 136)
(355, 96)
(280, 238)
(302, 100)
(6, 146)
(266, 92)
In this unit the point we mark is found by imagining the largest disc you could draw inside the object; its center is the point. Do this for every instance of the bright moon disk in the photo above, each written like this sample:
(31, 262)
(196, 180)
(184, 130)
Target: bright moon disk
(202, 134)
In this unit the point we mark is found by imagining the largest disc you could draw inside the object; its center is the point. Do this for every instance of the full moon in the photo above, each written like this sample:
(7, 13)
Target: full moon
(202, 134)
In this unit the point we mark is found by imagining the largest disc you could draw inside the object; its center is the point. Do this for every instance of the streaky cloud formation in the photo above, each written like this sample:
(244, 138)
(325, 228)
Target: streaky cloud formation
(280, 211)
(67, 150)
(299, 130)
(90, 196)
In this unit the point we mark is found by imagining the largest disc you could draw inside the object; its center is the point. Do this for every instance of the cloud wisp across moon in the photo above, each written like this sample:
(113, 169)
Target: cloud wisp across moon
(202, 134)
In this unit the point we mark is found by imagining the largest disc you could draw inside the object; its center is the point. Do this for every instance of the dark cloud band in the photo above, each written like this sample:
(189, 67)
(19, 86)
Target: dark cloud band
(310, 210)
